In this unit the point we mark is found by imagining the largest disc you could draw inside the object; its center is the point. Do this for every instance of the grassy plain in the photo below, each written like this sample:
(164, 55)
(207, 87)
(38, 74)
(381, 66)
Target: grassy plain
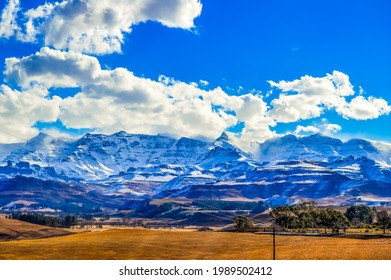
(142, 244)
(14, 229)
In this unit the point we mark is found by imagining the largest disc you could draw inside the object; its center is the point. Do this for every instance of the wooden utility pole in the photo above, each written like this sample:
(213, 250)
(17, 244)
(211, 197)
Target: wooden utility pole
(274, 243)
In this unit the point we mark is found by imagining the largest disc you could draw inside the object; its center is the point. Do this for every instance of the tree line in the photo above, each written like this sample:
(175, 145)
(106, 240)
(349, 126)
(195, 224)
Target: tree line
(51, 221)
(309, 215)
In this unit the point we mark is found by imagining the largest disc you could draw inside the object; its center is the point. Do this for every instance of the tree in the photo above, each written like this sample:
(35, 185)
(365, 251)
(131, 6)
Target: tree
(360, 214)
(37, 219)
(88, 220)
(285, 217)
(334, 219)
(242, 223)
(304, 215)
(308, 215)
(384, 219)
(69, 221)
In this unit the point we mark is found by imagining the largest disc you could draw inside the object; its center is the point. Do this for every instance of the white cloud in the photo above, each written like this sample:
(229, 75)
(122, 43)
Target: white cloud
(306, 130)
(113, 100)
(315, 95)
(33, 20)
(291, 108)
(19, 111)
(51, 68)
(337, 84)
(360, 108)
(204, 83)
(60, 134)
(98, 27)
(331, 128)
(8, 24)
(324, 128)
(361, 90)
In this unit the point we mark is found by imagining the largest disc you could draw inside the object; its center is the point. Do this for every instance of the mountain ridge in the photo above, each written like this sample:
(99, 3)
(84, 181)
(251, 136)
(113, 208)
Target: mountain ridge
(138, 166)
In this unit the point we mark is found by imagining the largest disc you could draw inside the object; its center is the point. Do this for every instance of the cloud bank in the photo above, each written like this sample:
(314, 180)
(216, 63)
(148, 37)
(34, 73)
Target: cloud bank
(19, 112)
(313, 95)
(94, 27)
(112, 100)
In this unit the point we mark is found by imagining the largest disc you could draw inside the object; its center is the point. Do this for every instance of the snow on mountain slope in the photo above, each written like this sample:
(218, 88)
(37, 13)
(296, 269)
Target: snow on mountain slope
(363, 148)
(285, 168)
(321, 148)
(223, 152)
(288, 147)
(98, 156)
(7, 149)
(323, 145)
(383, 148)
(42, 149)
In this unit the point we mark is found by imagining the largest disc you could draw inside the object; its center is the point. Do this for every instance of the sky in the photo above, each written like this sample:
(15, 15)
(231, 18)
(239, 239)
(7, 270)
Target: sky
(255, 69)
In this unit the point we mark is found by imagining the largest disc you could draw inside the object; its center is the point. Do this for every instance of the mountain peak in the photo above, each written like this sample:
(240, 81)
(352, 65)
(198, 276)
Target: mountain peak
(319, 138)
(223, 137)
(286, 138)
(120, 133)
(41, 137)
(316, 135)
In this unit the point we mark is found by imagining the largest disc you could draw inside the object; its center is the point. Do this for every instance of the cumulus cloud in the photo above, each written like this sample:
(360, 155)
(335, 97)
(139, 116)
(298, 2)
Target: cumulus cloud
(113, 100)
(98, 27)
(8, 24)
(306, 130)
(291, 108)
(331, 128)
(19, 111)
(315, 95)
(324, 128)
(33, 20)
(51, 68)
(360, 108)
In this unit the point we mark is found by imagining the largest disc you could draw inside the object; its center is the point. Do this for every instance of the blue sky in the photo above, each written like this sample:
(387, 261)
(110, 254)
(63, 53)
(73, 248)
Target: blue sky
(220, 63)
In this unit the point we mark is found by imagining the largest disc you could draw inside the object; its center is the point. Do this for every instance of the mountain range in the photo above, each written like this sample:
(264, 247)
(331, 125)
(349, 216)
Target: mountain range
(140, 173)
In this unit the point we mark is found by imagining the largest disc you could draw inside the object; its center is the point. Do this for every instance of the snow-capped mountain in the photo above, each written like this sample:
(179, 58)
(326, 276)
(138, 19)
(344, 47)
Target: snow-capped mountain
(321, 148)
(7, 149)
(133, 166)
(98, 156)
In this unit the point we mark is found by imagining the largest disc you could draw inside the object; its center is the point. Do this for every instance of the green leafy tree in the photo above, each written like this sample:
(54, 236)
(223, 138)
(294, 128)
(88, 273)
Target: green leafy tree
(383, 219)
(242, 223)
(297, 216)
(37, 219)
(69, 221)
(284, 216)
(308, 215)
(334, 219)
(360, 214)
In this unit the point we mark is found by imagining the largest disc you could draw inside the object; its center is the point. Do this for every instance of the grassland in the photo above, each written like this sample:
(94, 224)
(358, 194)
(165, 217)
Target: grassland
(14, 229)
(142, 244)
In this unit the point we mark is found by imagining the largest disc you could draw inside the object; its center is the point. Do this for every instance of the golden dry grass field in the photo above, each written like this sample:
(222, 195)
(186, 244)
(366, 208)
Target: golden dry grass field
(14, 229)
(142, 244)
